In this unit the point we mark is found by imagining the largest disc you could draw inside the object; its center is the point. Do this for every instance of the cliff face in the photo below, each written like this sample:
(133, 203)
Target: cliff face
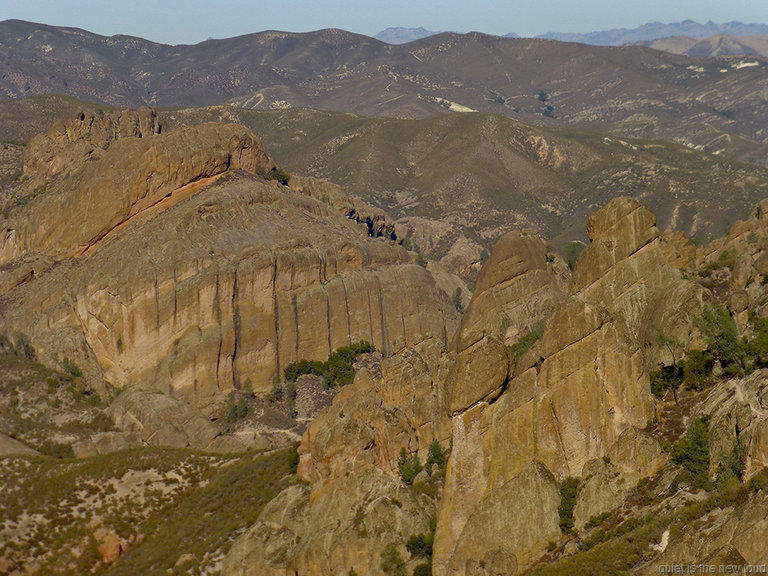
(146, 268)
(521, 409)
(573, 395)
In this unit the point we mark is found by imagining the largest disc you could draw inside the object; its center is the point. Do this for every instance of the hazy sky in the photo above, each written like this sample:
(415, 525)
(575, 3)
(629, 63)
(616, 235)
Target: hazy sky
(191, 21)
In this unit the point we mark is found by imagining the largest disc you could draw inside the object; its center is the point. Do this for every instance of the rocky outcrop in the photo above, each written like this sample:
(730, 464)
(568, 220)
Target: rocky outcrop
(161, 420)
(733, 536)
(607, 481)
(516, 288)
(572, 396)
(85, 136)
(738, 416)
(357, 505)
(515, 521)
(346, 527)
(192, 287)
(372, 419)
(12, 447)
(269, 544)
(131, 176)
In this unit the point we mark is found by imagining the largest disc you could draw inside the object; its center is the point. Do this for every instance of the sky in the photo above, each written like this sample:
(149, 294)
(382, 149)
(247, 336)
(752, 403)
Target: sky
(192, 21)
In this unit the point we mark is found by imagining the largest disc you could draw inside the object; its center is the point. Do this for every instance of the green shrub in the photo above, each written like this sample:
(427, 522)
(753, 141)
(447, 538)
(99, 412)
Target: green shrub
(71, 368)
(391, 561)
(280, 175)
(292, 457)
(596, 520)
(237, 409)
(528, 340)
(572, 252)
(722, 335)
(697, 369)
(57, 449)
(457, 300)
(731, 468)
(692, 452)
(408, 466)
(337, 369)
(290, 397)
(569, 489)
(420, 545)
(436, 456)
(667, 377)
(23, 347)
(757, 348)
(423, 570)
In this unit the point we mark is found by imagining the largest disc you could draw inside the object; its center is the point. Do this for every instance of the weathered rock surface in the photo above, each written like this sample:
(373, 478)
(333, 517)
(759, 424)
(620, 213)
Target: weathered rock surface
(372, 419)
(84, 137)
(131, 176)
(607, 481)
(589, 383)
(196, 290)
(738, 412)
(516, 288)
(267, 547)
(161, 420)
(514, 521)
(12, 447)
(347, 526)
(107, 442)
(734, 536)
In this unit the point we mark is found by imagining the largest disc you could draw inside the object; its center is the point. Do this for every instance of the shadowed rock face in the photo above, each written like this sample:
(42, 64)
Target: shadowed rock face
(171, 278)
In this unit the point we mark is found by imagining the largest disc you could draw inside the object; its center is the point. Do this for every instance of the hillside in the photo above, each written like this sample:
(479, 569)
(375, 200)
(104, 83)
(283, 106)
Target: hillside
(632, 91)
(314, 316)
(714, 46)
(472, 176)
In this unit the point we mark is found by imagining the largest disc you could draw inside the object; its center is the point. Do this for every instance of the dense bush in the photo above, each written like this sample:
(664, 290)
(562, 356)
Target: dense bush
(337, 370)
(408, 466)
(757, 348)
(436, 456)
(280, 175)
(731, 468)
(569, 489)
(697, 369)
(667, 377)
(457, 300)
(722, 335)
(391, 561)
(572, 252)
(420, 545)
(692, 452)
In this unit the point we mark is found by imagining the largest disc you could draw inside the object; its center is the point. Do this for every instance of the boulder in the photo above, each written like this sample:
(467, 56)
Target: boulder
(513, 522)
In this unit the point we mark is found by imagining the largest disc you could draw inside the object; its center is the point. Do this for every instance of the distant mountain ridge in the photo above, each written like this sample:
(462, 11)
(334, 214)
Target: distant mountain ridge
(613, 37)
(631, 91)
(400, 35)
(714, 46)
(657, 30)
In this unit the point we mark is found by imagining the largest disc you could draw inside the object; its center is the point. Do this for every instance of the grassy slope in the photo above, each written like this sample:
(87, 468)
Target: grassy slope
(160, 503)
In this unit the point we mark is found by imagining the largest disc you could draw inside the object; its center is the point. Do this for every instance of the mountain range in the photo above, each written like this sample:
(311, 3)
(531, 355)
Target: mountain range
(317, 304)
(613, 37)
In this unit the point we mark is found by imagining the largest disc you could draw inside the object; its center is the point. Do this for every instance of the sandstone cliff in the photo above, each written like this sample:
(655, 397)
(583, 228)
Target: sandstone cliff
(521, 414)
(573, 395)
(145, 268)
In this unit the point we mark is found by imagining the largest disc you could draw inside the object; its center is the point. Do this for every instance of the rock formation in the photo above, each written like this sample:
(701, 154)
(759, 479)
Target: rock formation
(569, 403)
(147, 269)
